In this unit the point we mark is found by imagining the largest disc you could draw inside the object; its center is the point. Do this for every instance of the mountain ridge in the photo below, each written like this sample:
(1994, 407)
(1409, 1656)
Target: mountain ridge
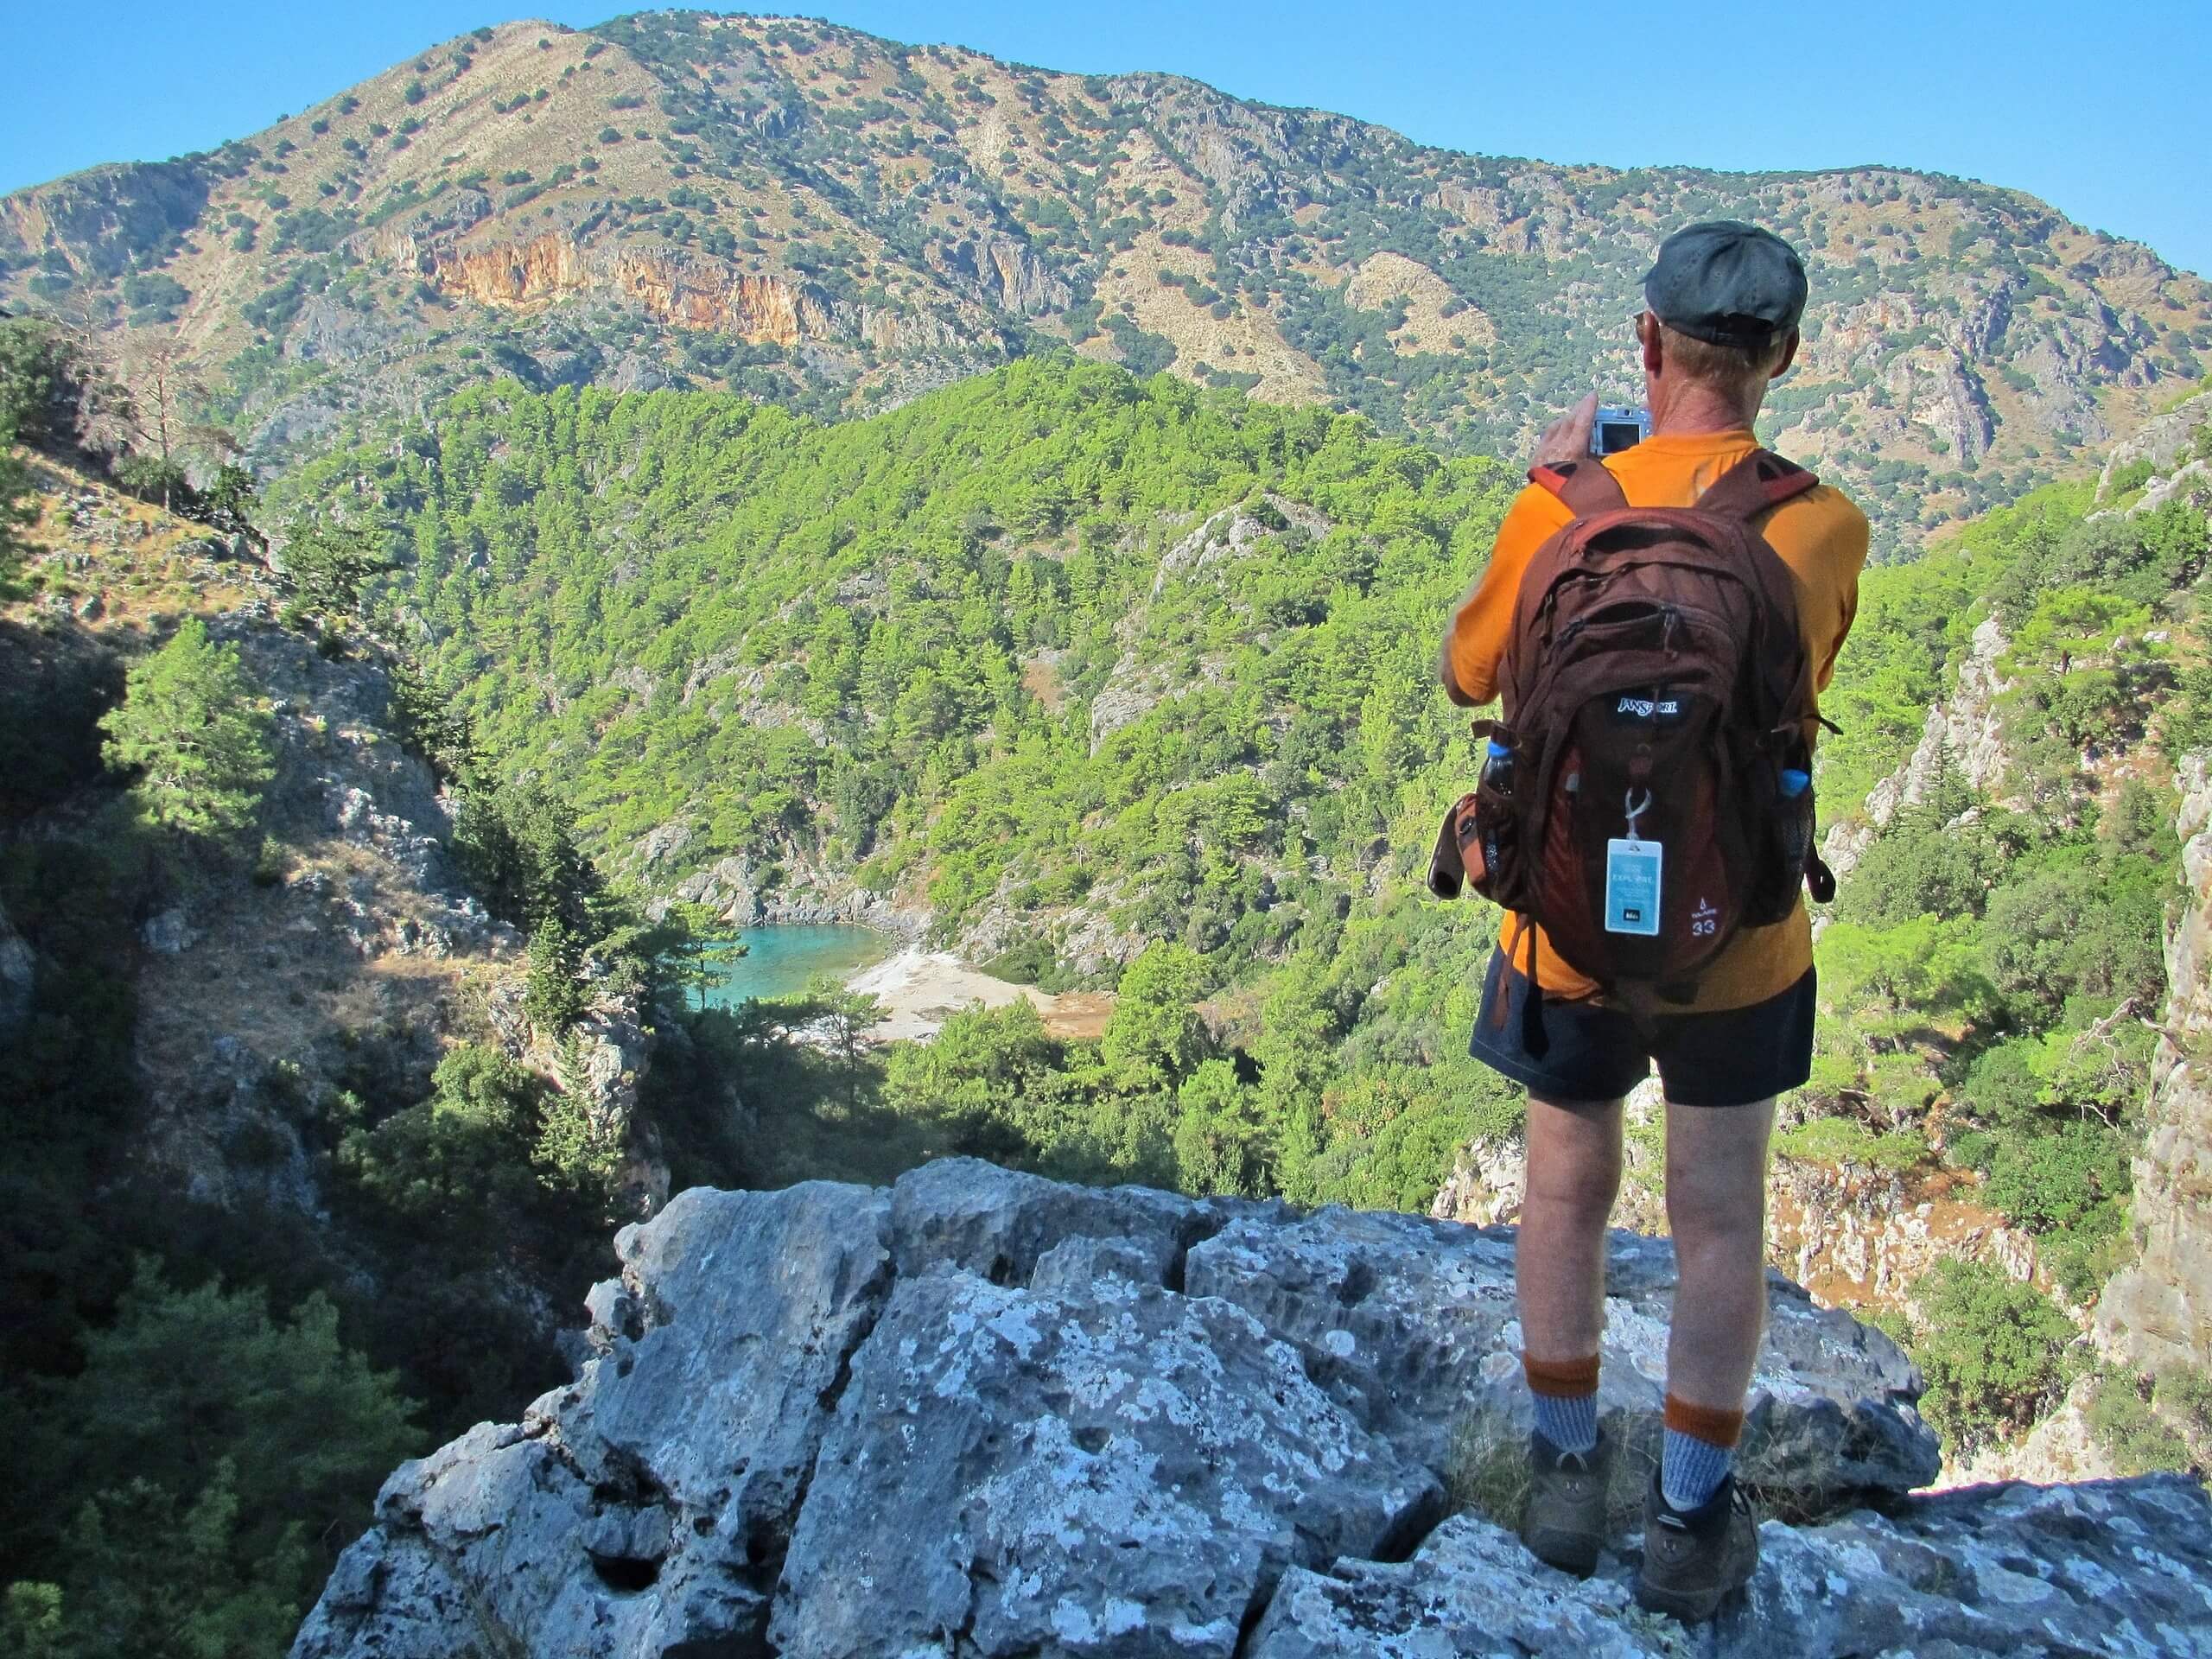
(827, 220)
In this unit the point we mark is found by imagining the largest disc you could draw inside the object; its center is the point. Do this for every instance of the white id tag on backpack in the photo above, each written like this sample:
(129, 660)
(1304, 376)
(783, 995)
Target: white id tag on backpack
(1632, 887)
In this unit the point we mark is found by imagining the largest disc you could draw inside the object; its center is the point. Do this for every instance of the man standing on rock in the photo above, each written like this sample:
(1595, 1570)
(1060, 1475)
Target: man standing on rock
(1723, 302)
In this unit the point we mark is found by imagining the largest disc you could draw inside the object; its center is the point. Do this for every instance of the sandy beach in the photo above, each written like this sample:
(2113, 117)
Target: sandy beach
(918, 989)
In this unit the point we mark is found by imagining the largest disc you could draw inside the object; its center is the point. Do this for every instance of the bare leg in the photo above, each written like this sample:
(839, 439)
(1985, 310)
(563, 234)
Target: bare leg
(1559, 1264)
(1716, 1208)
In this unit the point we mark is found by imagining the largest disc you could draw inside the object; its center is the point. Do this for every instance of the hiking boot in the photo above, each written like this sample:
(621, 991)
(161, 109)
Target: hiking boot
(1694, 1560)
(1564, 1525)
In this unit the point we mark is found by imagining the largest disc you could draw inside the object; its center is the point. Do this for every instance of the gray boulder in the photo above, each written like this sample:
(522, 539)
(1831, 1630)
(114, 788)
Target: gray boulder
(170, 933)
(650, 1503)
(984, 1414)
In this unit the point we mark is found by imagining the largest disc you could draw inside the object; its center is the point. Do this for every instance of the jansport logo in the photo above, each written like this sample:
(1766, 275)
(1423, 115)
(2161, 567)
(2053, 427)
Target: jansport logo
(1645, 708)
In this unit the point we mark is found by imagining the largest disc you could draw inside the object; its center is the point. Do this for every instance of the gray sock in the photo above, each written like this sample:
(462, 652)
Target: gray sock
(1571, 1425)
(1691, 1471)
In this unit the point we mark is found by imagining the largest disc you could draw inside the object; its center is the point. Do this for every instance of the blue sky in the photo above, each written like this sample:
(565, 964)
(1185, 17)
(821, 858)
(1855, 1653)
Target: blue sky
(2096, 109)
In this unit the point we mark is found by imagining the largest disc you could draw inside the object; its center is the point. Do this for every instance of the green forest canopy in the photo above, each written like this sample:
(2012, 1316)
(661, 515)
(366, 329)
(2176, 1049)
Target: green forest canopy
(1057, 644)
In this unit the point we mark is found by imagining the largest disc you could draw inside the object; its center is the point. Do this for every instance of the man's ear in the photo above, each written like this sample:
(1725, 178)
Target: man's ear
(1647, 333)
(1788, 356)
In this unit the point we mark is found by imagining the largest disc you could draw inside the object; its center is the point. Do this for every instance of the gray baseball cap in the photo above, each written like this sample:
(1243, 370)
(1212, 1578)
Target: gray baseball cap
(1727, 282)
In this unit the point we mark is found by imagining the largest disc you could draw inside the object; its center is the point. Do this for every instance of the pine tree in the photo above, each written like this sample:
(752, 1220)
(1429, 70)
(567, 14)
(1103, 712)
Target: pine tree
(226, 1457)
(329, 564)
(845, 1018)
(191, 726)
(693, 945)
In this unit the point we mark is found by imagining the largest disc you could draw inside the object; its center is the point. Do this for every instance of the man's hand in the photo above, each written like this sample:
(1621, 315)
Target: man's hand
(1568, 437)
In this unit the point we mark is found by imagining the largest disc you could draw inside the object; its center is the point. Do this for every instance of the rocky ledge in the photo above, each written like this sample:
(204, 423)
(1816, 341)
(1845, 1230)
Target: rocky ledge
(982, 1414)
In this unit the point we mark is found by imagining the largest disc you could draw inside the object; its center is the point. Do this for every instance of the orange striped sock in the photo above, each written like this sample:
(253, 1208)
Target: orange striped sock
(1565, 1395)
(1707, 1423)
(1559, 1379)
(1699, 1450)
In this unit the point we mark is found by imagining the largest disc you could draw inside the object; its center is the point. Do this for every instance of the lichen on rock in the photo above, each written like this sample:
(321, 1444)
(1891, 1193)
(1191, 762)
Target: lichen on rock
(987, 1414)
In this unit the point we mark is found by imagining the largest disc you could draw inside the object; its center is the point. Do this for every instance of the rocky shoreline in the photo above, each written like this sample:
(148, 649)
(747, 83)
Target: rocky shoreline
(918, 989)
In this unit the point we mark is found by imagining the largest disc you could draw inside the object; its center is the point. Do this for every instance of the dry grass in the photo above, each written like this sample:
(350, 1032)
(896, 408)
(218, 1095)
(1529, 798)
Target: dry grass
(143, 564)
(1487, 1473)
(1080, 1015)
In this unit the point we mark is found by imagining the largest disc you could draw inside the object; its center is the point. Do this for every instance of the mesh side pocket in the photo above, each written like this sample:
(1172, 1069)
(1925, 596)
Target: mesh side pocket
(1787, 819)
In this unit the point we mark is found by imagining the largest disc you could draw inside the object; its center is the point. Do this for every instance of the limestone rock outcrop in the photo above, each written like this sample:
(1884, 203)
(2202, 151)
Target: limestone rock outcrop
(985, 1414)
(2158, 1312)
(2166, 440)
(695, 293)
(1963, 729)
(679, 289)
(98, 218)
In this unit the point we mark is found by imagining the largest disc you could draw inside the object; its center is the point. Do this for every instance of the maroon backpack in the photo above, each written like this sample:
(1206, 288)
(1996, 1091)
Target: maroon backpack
(1647, 790)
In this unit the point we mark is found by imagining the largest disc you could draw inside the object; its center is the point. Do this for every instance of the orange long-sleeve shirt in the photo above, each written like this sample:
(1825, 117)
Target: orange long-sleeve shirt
(1821, 536)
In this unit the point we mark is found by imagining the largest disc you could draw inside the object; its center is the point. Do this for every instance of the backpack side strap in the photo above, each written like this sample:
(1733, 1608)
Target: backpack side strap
(1761, 481)
(1585, 486)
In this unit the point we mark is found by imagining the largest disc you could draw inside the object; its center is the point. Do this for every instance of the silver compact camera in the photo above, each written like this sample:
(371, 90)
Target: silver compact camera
(1616, 429)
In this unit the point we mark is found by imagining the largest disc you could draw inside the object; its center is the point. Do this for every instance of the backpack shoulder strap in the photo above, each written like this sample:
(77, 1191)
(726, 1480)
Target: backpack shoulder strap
(1585, 486)
(1761, 480)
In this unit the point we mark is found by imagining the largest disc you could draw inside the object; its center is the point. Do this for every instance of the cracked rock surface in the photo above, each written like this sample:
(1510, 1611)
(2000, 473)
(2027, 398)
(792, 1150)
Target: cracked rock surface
(984, 1414)
(2110, 1568)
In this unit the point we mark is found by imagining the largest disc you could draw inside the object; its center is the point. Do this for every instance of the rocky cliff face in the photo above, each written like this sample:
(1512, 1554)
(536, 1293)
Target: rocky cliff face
(359, 928)
(1963, 731)
(2158, 1312)
(984, 1414)
(676, 289)
(2167, 442)
(108, 216)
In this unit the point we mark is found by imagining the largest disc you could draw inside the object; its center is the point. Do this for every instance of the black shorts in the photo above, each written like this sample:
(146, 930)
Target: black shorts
(1732, 1058)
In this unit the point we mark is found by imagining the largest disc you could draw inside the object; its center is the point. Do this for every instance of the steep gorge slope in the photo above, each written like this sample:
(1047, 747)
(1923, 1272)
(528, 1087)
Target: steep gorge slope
(295, 1169)
(2157, 1314)
(352, 943)
(828, 219)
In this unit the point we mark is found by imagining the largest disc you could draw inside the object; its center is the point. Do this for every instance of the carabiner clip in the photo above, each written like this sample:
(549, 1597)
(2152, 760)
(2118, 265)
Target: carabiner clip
(1629, 805)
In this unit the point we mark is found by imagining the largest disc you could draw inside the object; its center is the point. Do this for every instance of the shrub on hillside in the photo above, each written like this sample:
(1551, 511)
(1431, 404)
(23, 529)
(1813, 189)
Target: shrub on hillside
(1993, 1351)
(2123, 1418)
(453, 1164)
(1155, 1037)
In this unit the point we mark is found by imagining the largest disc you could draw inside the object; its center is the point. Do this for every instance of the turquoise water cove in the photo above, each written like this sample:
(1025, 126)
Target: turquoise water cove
(778, 960)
